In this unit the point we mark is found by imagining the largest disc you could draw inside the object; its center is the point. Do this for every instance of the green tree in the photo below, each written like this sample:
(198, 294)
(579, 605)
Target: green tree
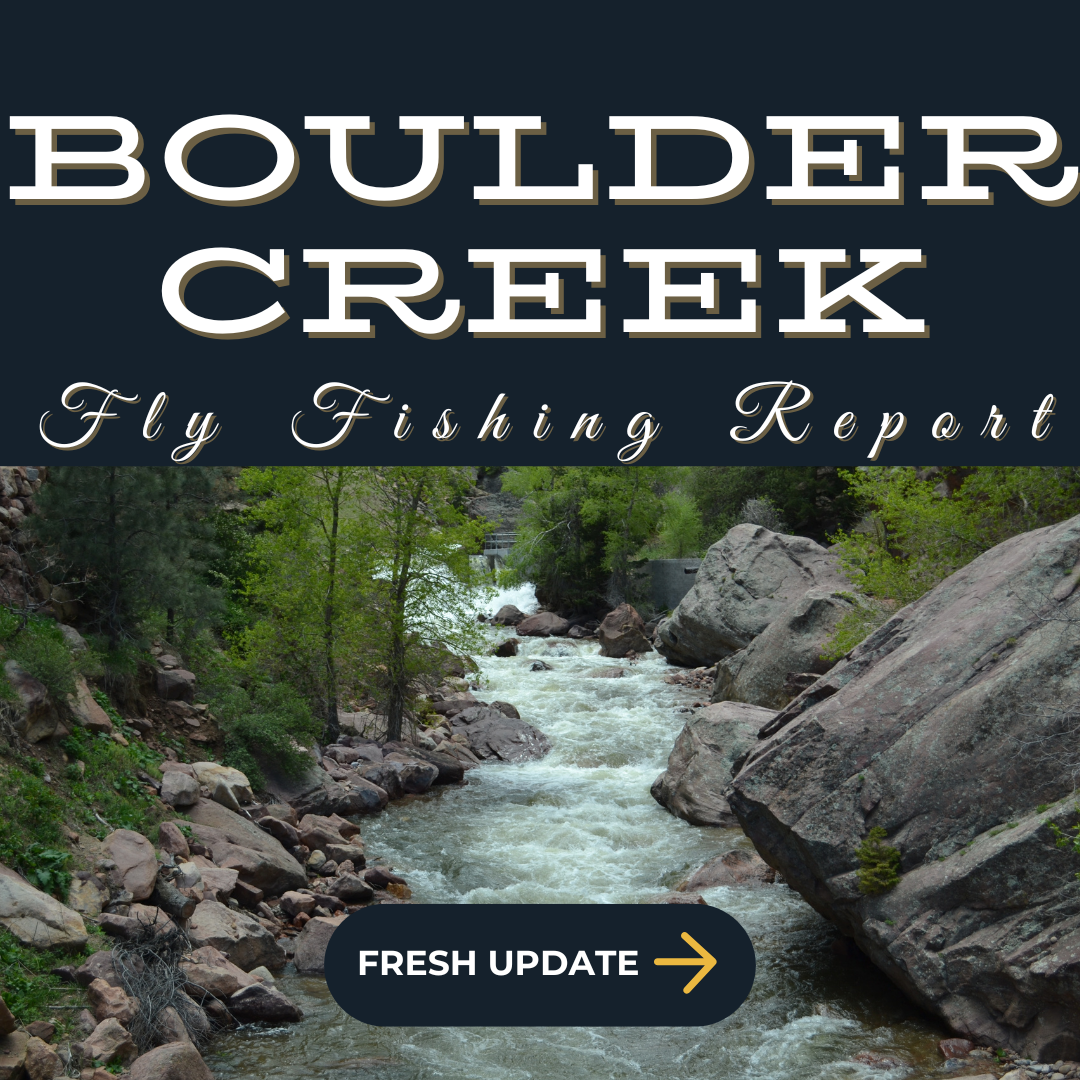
(310, 562)
(582, 529)
(136, 538)
(423, 597)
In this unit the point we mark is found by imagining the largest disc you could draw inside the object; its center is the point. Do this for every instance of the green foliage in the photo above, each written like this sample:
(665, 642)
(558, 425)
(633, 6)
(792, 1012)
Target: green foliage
(582, 530)
(30, 816)
(361, 579)
(29, 988)
(109, 785)
(269, 724)
(38, 647)
(880, 863)
(680, 533)
(1067, 838)
(136, 536)
(912, 535)
(812, 500)
(46, 869)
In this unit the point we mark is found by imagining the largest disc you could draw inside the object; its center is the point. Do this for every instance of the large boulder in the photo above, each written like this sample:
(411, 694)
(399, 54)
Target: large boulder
(746, 581)
(545, 624)
(136, 864)
(450, 770)
(209, 971)
(508, 615)
(234, 781)
(737, 867)
(179, 790)
(36, 918)
(38, 718)
(792, 642)
(239, 844)
(926, 731)
(173, 1061)
(493, 736)
(176, 685)
(623, 632)
(240, 936)
(315, 792)
(696, 784)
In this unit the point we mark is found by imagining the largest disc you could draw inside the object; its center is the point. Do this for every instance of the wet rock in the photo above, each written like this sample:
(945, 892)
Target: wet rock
(746, 580)
(263, 1003)
(352, 889)
(240, 936)
(509, 647)
(578, 632)
(495, 737)
(39, 716)
(506, 709)
(36, 918)
(449, 769)
(42, 1061)
(917, 732)
(170, 839)
(623, 632)
(415, 776)
(955, 1048)
(539, 665)
(508, 615)
(545, 624)
(172, 1061)
(368, 797)
(380, 877)
(698, 779)
(738, 867)
(607, 673)
(880, 1061)
(108, 1042)
(179, 790)
(677, 898)
(136, 865)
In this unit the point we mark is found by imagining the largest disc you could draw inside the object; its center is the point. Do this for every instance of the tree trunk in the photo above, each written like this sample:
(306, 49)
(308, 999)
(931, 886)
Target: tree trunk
(333, 726)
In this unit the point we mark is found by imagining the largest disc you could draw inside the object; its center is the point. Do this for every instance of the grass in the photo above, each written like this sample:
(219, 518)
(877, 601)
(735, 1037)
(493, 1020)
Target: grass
(28, 987)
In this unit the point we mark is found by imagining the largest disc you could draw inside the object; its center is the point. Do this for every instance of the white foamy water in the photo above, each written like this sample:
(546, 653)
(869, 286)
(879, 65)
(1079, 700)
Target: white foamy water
(580, 827)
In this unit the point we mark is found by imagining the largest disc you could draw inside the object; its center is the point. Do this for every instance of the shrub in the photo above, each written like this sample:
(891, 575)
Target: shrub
(266, 725)
(39, 648)
(880, 864)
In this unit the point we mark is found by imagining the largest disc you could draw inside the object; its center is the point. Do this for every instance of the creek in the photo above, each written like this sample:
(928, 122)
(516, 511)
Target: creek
(581, 827)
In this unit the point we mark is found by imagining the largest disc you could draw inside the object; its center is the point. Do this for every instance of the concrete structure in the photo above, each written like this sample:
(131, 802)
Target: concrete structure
(672, 579)
(496, 547)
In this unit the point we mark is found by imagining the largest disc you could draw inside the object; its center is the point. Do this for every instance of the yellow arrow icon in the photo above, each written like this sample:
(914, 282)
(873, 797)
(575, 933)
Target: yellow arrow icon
(706, 963)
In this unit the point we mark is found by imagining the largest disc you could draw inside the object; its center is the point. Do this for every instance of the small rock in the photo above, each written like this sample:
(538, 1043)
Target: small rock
(315, 861)
(40, 1029)
(8, 1022)
(110, 1001)
(170, 839)
(955, 1048)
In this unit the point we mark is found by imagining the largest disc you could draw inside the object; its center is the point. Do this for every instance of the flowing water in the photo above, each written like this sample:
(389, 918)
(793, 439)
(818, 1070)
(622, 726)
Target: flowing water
(580, 827)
